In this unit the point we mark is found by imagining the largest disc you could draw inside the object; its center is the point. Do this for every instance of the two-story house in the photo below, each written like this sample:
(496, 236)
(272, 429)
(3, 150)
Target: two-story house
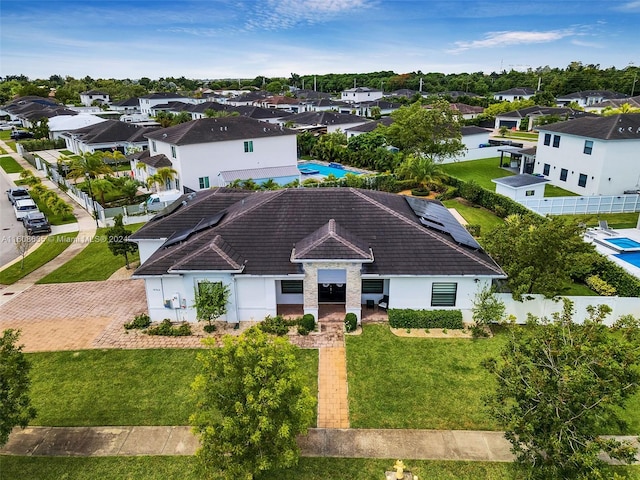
(591, 155)
(513, 94)
(211, 152)
(89, 97)
(361, 94)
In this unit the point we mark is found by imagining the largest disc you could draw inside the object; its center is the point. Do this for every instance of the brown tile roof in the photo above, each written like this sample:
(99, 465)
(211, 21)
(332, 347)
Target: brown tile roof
(261, 230)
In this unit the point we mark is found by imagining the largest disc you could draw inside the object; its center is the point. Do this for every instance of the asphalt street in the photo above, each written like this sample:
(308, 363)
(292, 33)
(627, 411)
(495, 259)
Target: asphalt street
(11, 228)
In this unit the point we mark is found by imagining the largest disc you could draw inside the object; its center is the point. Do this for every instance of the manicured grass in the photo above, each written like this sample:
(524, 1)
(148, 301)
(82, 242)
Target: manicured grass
(54, 219)
(94, 263)
(482, 171)
(475, 215)
(579, 290)
(553, 191)
(520, 135)
(54, 246)
(615, 220)
(12, 145)
(122, 387)
(428, 383)
(5, 135)
(187, 468)
(9, 165)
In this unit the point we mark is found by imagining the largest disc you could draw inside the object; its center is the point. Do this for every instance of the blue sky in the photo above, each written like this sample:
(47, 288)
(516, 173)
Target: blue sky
(245, 39)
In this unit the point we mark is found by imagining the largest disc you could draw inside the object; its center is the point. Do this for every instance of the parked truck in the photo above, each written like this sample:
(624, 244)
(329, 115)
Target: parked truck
(157, 201)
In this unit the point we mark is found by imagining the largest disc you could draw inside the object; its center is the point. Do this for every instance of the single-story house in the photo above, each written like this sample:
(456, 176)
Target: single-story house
(307, 247)
(108, 135)
(591, 155)
(333, 121)
(367, 127)
(200, 150)
(586, 98)
(529, 115)
(65, 123)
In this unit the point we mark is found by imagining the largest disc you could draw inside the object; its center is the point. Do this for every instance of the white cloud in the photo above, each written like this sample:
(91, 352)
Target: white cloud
(633, 6)
(582, 43)
(501, 39)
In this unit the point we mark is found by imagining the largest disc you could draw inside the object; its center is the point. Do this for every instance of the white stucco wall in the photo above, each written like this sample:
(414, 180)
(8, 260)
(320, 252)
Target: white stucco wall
(256, 297)
(209, 159)
(147, 247)
(521, 193)
(612, 159)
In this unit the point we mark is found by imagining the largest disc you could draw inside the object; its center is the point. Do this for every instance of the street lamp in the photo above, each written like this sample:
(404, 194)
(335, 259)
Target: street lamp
(93, 202)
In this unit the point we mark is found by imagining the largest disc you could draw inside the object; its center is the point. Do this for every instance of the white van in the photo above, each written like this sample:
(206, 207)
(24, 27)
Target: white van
(22, 207)
(157, 201)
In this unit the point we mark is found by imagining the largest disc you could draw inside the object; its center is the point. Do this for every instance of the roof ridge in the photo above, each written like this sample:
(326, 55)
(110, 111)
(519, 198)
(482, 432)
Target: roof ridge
(268, 197)
(218, 249)
(454, 245)
(212, 245)
(613, 125)
(332, 233)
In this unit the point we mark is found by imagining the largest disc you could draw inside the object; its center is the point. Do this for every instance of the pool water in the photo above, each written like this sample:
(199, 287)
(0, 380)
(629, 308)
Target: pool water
(623, 242)
(325, 170)
(631, 258)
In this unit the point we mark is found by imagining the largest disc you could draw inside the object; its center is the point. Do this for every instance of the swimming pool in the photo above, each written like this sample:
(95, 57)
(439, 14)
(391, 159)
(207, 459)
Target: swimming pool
(631, 258)
(324, 169)
(623, 244)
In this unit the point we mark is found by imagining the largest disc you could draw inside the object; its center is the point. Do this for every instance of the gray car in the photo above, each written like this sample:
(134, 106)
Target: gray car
(36, 222)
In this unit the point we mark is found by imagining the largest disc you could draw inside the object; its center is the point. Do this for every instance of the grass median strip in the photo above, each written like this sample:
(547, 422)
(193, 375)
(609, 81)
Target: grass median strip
(94, 263)
(53, 246)
(9, 165)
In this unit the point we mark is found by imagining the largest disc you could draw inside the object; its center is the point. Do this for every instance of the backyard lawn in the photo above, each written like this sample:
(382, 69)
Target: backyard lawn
(53, 246)
(94, 263)
(122, 387)
(427, 383)
(482, 171)
(475, 215)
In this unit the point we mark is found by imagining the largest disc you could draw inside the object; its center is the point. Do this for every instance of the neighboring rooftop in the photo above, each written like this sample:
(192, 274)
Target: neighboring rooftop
(625, 126)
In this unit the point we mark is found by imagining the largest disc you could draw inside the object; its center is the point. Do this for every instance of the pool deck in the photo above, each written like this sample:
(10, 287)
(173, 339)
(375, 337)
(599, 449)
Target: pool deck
(320, 176)
(597, 235)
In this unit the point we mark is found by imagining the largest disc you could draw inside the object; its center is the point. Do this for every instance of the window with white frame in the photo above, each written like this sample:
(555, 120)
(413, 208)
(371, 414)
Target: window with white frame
(372, 286)
(248, 146)
(203, 182)
(291, 286)
(444, 294)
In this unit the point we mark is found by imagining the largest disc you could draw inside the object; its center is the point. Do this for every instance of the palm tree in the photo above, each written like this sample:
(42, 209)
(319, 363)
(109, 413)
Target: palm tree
(421, 170)
(270, 184)
(101, 186)
(153, 180)
(88, 164)
(166, 175)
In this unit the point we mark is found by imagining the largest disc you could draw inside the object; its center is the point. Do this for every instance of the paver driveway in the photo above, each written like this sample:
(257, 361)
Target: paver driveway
(70, 316)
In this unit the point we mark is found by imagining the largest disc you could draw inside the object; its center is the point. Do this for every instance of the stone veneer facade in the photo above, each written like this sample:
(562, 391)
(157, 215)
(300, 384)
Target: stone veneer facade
(354, 286)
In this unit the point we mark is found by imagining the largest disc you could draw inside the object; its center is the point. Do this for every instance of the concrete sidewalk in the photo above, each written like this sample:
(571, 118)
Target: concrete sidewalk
(320, 442)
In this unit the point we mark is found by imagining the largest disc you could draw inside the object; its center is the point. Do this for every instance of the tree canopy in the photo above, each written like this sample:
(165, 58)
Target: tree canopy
(15, 403)
(521, 247)
(251, 405)
(559, 385)
(118, 239)
(434, 132)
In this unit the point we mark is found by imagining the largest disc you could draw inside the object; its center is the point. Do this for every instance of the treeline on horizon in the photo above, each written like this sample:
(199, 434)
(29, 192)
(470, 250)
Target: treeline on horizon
(556, 81)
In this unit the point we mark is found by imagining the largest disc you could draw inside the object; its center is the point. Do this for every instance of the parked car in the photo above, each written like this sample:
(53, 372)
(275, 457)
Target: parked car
(36, 222)
(5, 126)
(22, 207)
(20, 134)
(19, 193)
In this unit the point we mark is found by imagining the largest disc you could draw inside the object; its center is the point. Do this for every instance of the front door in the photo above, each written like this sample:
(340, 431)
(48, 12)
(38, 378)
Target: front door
(332, 293)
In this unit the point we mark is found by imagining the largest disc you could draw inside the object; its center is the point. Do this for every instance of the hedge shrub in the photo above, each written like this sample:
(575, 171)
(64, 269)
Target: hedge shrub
(625, 284)
(166, 329)
(407, 318)
(350, 322)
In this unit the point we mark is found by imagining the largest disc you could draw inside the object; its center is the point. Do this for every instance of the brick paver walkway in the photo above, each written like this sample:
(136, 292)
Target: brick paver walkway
(333, 406)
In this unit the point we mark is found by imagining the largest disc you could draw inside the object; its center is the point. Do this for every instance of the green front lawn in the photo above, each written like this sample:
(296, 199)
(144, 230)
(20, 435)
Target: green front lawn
(482, 171)
(427, 383)
(94, 263)
(615, 220)
(5, 135)
(54, 246)
(122, 387)
(9, 165)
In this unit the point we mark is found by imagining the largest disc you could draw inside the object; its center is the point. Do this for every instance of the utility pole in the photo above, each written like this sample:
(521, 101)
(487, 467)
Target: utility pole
(633, 85)
(421, 85)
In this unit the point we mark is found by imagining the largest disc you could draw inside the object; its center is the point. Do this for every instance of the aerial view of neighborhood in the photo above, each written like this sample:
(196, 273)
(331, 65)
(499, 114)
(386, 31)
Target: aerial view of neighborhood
(418, 257)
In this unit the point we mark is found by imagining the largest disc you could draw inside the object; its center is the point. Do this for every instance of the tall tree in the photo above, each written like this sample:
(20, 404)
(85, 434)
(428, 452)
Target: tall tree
(421, 170)
(521, 246)
(118, 240)
(15, 403)
(433, 132)
(89, 163)
(251, 405)
(559, 384)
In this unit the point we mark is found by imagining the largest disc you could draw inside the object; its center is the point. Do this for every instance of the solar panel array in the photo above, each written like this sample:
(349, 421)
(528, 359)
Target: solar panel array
(203, 224)
(436, 216)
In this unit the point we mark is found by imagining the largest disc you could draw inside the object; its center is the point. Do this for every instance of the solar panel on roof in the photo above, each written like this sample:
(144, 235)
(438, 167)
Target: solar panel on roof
(211, 221)
(178, 237)
(436, 216)
(168, 210)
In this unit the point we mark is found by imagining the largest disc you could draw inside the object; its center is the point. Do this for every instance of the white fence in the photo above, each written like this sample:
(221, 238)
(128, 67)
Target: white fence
(576, 205)
(544, 307)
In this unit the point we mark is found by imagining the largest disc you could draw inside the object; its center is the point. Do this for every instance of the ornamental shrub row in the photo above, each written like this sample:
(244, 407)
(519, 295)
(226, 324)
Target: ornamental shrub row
(625, 284)
(407, 318)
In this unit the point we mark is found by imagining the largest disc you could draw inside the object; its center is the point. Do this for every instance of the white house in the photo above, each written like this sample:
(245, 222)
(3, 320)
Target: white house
(147, 102)
(108, 135)
(521, 187)
(202, 150)
(591, 155)
(302, 247)
(513, 94)
(333, 121)
(65, 123)
(586, 98)
(91, 96)
(361, 94)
